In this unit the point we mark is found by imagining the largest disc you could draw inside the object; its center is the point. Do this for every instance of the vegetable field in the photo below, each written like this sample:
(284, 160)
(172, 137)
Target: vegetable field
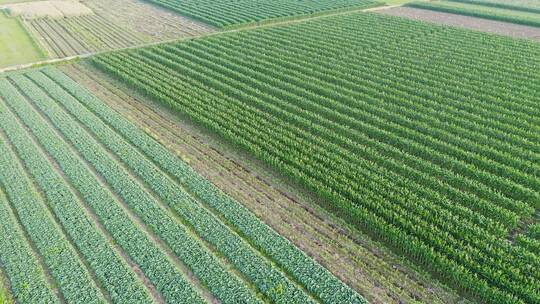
(517, 15)
(147, 19)
(227, 14)
(378, 274)
(94, 210)
(517, 5)
(425, 137)
(80, 35)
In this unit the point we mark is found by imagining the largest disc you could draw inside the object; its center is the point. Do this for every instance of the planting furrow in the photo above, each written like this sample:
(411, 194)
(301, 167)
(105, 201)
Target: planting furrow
(262, 236)
(224, 285)
(111, 271)
(69, 272)
(211, 229)
(57, 50)
(28, 277)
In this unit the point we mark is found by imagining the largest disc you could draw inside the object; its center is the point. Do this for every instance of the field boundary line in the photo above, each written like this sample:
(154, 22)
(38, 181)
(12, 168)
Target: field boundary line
(300, 19)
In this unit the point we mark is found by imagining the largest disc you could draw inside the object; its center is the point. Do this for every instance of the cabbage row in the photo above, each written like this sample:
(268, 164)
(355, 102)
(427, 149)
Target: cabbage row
(110, 270)
(314, 277)
(103, 180)
(532, 6)
(228, 14)
(426, 137)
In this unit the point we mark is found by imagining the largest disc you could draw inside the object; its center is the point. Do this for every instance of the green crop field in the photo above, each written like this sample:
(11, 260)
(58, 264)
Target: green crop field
(519, 15)
(91, 195)
(226, 14)
(16, 46)
(426, 137)
(518, 5)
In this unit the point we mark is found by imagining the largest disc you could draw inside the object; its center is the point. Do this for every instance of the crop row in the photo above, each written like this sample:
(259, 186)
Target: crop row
(226, 14)
(298, 265)
(260, 272)
(317, 99)
(519, 5)
(118, 183)
(498, 13)
(114, 274)
(71, 275)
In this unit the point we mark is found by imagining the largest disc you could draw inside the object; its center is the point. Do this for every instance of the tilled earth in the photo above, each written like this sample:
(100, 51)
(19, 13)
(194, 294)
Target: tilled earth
(484, 25)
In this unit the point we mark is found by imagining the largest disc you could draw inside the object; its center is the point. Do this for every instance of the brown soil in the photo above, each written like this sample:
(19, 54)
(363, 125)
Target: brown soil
(363, 264)
(146, 19)
(478, 24)
(52, 9)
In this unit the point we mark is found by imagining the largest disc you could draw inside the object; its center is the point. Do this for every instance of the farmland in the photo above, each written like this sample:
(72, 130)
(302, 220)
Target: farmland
(379, 275)
(444, 182)
(518, 15)
(111, 198)
(249, 151)
(16, 46)
(79, 35)
(148, 20)
(227, 14)
(518, 5)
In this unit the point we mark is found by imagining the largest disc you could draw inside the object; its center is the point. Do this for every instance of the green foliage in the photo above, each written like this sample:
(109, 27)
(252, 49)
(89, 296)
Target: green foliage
(531, 6)
(92, 166)
(227, 14)
(492, 12)
(426, 137)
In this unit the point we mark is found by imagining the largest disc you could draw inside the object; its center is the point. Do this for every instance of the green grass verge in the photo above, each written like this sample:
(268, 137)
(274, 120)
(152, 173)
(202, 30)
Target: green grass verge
(16, 45)
(493, 13)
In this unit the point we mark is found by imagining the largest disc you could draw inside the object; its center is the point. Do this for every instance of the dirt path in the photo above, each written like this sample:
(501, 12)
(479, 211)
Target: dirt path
(478, 24)
(363, 264)
(201, 34)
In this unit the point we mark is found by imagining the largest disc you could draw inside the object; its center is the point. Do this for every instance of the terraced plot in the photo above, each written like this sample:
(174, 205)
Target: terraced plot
(98, 211)
(80, 35)
(426, 137)
(227, 14)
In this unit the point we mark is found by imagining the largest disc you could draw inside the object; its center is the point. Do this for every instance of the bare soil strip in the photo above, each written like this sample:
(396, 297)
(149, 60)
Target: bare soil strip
(147, 19)
(364, 265)
(478, 24)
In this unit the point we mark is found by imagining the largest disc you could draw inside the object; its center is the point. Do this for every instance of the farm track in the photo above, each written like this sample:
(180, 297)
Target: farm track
(206, 32)
(328, 244)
